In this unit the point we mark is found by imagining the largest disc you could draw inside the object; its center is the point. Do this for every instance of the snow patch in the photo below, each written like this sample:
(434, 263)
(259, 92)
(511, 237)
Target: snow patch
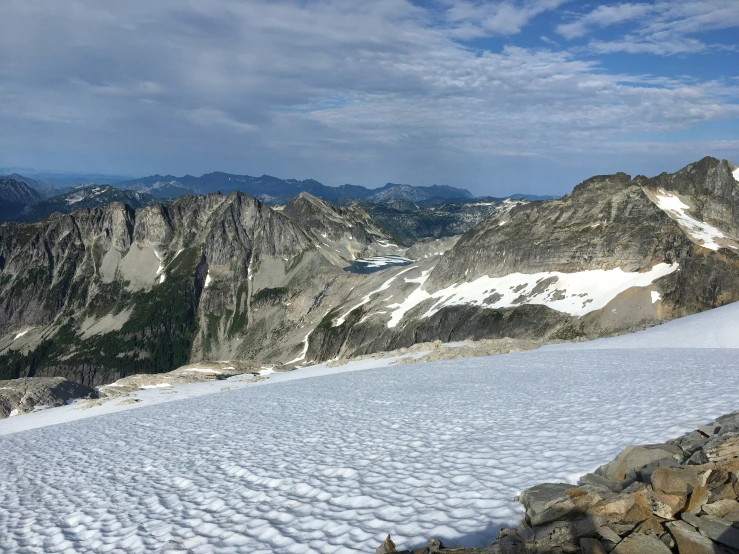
(381, 261)
(735, 174)
(207, 280)
(304, 352)
(368, 297)
(702, 232)
(157, 386)
(574, 293)
(655, 296)
(204, 370)
(19, 335)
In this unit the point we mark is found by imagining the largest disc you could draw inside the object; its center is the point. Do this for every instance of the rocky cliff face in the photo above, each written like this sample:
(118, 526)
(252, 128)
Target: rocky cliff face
(112, 291)
(617, 254)
(107, 292)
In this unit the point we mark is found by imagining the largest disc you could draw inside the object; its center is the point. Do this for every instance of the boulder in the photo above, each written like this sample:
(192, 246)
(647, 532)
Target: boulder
(638, 457)
(641, 544)
(591, 546)
(565, 534)
(552, 501)
(723, 492)
(651, 525)
(721, 507)
(614, 508)
(715, 528)
(697, 499)
(637, 514)
(690, 541)
(722, 448)
(660, 504)
(728, 423)
(678, 480)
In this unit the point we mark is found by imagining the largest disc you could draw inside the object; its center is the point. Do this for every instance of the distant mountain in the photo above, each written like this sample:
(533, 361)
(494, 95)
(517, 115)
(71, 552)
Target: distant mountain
(79, 199)
(14, 196)
(62, 180)
(435, 217)
(44, 187)
(276, 191)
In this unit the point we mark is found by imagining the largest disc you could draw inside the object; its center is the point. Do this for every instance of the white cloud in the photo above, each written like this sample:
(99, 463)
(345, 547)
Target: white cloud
(660, 28)
(342, 90)
(604, 16)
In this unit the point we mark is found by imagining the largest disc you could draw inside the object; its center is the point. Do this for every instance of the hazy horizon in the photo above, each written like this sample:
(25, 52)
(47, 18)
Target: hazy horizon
(496, 97)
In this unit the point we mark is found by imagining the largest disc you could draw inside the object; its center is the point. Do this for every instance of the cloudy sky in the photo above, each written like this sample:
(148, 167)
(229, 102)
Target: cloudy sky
(498, 96)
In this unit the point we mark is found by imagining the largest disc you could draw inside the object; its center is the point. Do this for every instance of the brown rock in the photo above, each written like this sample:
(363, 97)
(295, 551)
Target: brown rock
(652, 524)
(678, 480)
(387, 547)
(717, 477)
(676, 503)
(637, 514)
(637, 457)
(614, 508)
(608, 534)
(660, 504)
(723, 492)
(690, 541)
(722, 448)
(721, 507)
(697, 499)
(641, 544)
(732, 516)
(591, 546)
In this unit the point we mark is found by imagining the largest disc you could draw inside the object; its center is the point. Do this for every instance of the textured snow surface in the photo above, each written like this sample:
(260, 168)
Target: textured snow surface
(701, 232)
(334, 463)
(717, 328)
(576, 293)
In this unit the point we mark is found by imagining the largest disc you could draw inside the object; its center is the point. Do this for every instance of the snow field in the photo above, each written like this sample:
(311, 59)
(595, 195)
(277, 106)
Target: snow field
(576, 293)
(332, 464)
(702, 232)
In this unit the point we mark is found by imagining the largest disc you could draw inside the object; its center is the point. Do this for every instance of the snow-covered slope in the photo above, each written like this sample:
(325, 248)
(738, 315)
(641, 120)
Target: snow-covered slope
(334, 463)
(717, 328)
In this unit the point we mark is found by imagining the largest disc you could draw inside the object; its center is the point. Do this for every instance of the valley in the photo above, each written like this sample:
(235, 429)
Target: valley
(116, 290)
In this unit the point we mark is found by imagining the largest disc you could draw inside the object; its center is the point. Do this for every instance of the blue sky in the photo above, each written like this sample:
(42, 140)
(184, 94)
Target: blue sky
(495, 96)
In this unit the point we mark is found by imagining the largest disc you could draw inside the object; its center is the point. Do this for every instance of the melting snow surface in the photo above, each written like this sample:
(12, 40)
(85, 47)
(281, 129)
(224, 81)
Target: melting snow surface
(704, 233)
(335, 463)
(207, 280)
(736, 174)
(574, 293)
(19, 335)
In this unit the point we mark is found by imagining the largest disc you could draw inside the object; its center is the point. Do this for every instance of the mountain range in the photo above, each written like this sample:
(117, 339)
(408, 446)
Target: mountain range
(273, 190)
(112, 290)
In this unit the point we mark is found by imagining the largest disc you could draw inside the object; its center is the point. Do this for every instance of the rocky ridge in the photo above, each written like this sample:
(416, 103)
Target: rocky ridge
(111, 291)
(680, 496)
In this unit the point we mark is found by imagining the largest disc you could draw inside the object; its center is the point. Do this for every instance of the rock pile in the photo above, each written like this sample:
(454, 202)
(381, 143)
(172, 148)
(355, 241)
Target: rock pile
(680, 496)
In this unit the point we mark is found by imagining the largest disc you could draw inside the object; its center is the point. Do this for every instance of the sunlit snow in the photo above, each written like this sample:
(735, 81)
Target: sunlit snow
(702, 232)
(335, 463)
(576, 293)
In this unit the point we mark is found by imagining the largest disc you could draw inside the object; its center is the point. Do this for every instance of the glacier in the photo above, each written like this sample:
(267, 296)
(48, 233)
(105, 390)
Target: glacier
(334, 459)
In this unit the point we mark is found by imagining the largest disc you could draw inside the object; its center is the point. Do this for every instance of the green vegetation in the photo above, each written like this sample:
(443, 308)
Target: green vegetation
(157, 337)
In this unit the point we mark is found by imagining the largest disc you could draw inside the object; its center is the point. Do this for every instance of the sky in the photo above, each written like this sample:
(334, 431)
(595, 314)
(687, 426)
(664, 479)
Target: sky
(496, 96)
